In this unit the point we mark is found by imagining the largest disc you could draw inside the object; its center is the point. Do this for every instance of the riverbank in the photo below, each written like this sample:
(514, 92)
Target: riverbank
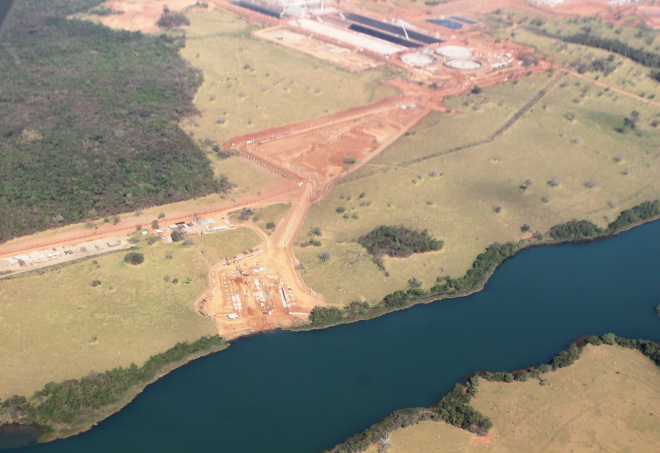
(482, 270)
(528, 408)
(75, 406)
(276, 383)
(59, 430)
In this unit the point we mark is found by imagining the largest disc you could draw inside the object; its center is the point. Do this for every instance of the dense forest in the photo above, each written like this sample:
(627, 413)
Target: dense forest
(89, 120)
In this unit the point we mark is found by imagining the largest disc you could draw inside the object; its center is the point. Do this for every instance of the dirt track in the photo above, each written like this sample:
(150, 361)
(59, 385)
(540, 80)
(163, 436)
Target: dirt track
(308, 155)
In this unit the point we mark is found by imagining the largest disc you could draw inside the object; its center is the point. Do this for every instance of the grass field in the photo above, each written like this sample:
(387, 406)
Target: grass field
(273, 213)
(607, 401)
(627, 75)
(458, 205)
(251, 85)
(54, 325)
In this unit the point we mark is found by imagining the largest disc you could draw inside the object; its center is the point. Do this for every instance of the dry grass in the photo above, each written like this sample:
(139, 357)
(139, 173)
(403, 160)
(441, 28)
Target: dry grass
(273, 213)
(458, 204)
(54, 325)
(251, 85)
(628, 75)
(607, 401)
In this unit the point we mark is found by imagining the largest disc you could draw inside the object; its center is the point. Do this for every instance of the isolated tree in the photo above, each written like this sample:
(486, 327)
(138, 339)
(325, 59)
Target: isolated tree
(154, 225)
(187, 242)
(325, 255)
(177, 236)
(316, 231)
(270, 226)
(349, 160)
(134, 258)
(161, 215)
(245, 214)
(415, 283)
(525, 228)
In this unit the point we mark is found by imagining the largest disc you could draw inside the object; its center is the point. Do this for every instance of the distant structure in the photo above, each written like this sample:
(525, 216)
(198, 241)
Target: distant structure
(463, 65)
(454, 52)
(547, 2)
(418, 59)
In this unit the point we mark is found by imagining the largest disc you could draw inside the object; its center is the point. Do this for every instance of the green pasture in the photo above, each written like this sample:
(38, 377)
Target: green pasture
(250, 85)
(459, 204)
(55, 325)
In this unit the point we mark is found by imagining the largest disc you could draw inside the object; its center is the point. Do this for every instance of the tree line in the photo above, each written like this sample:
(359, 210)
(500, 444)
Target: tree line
(584, 229)
(485, 263)
(453, 409)
(638, 55)
(70, 400)
(90, 121)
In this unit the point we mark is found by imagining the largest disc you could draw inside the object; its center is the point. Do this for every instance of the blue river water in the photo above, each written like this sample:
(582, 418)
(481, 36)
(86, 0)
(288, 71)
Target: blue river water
(306, 391)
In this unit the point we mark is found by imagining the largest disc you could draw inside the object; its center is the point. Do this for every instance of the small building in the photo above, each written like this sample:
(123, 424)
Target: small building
(232, 316)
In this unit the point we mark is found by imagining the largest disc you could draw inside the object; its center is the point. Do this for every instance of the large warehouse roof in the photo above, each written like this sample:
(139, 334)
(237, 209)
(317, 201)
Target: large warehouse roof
(348, 37)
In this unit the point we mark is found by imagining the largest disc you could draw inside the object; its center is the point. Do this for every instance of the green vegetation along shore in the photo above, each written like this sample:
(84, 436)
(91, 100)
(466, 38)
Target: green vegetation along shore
(72, 406)
(455, 410)
(90, 121)
(482, 268)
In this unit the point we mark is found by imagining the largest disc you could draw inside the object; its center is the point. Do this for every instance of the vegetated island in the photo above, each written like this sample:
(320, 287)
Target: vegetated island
(523, 409)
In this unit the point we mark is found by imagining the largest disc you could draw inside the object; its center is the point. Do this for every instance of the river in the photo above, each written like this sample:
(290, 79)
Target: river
(306, 391)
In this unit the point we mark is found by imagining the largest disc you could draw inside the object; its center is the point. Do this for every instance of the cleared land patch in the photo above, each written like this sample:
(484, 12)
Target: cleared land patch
(483, 194)
(583, 407)
(252, 85)
(56, 325)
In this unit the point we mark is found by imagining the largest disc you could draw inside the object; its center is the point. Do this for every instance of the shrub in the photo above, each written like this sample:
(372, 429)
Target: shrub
(398, 241)
(95, 283)
(134, 258)
(575, 229)
(172, 20)
(270, 226)
(177, 236)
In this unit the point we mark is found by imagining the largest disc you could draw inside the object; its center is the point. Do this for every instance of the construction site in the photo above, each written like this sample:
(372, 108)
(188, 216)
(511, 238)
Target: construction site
(437, 51)
(432, 49)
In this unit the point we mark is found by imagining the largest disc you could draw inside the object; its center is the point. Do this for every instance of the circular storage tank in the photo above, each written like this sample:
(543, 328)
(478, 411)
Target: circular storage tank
(463, 65)
(454, 52)
(417, 59)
